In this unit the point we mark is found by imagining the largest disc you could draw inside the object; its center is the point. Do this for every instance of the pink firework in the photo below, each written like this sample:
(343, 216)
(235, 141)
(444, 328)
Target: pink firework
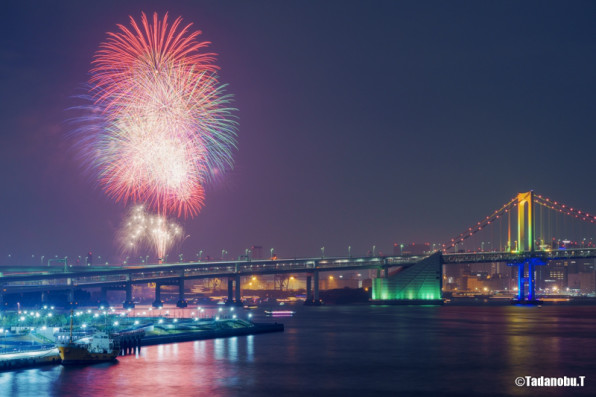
(144, 52)
(166, 125)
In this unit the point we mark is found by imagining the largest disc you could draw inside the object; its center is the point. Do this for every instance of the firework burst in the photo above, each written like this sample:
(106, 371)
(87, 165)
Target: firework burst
(160, 126)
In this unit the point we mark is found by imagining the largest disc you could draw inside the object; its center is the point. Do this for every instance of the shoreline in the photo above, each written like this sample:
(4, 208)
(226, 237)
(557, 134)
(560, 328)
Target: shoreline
(257, 328)
(51, 356)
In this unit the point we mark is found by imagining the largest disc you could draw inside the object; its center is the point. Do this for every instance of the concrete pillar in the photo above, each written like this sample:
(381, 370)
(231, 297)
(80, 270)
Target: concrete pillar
(230, 300)
(238, 300)
(157, 303)
(309, 297)
(531, 288)
(316, 297)
(128, 303)
(386, 272)
(181, 301)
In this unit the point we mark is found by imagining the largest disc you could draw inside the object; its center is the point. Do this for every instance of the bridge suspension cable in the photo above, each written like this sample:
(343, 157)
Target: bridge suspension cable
(564, 209)
(537, 222)
(496, 215)
(569, 222)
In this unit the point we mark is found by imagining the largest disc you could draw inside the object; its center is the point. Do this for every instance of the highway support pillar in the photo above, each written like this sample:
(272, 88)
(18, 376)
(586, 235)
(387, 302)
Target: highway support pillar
(182, 303)
(238, 300)
(309, 297)
(230, 300)
(157, 303)
(312, 297)
(316, 297)
(128, 303)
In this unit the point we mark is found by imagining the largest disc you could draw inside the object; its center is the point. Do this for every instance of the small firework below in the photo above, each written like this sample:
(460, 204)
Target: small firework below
(143, 230)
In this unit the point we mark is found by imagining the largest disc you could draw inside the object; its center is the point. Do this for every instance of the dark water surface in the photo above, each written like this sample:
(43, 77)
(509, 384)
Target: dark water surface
(352, 351)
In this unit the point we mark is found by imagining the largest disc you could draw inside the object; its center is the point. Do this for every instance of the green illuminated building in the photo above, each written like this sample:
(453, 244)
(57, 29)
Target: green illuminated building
(419, 282)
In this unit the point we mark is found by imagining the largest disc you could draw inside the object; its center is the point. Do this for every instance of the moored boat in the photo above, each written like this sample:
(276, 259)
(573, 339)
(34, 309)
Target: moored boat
(98, 347)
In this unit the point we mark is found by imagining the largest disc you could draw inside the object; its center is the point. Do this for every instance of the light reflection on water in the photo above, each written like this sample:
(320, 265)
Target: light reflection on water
(250, 349)
(351, 350)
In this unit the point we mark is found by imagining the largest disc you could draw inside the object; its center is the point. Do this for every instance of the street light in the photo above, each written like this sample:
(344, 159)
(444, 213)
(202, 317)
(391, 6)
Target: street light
(349, 251)
(271, 256)
(373, 251)
(322, 252)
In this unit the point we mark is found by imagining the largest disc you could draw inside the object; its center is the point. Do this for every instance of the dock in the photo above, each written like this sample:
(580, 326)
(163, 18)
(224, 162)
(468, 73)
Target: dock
(27, 359)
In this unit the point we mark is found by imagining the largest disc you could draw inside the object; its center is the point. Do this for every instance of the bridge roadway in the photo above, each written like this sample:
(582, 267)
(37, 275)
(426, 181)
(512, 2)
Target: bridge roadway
(49, 278)
(26, 279)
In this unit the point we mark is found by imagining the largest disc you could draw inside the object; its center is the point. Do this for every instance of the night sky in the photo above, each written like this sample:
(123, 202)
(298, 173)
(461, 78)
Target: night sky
(360, 122)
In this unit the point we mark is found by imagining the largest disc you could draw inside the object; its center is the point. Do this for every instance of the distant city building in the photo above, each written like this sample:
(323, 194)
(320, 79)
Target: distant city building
(583, 283)
(552, 276)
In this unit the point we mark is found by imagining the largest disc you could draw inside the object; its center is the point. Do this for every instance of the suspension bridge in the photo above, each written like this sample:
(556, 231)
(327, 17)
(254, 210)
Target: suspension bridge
(537, 230)
(526, 232)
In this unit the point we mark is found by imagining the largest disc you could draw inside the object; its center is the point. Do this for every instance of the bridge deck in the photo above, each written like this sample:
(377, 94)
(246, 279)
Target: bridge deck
(46, 278)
